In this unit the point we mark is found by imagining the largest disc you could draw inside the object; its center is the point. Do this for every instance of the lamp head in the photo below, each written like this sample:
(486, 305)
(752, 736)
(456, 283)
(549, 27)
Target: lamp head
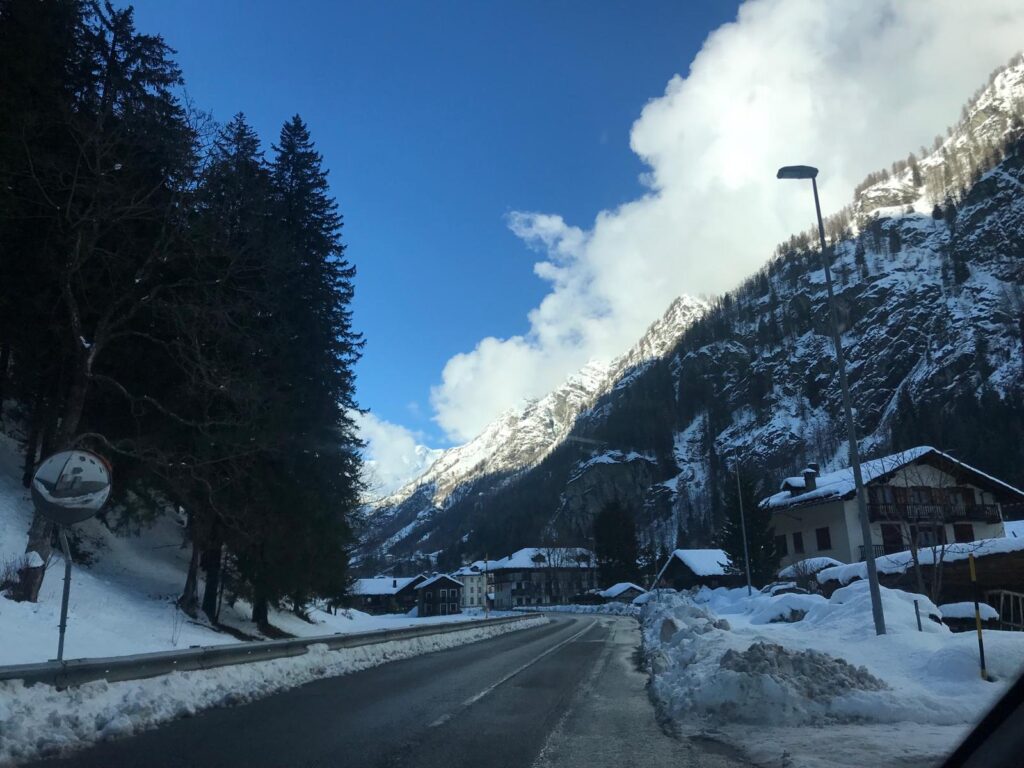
(797, 172)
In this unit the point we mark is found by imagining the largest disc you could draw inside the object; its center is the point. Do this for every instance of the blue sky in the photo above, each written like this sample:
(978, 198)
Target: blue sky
(527, 186)
(436, 120)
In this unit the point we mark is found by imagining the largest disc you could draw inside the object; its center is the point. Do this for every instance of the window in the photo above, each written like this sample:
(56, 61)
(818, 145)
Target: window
(444, 609)
(963, 532)
(929, 535)
(444, 594)
(453, 608)
(824, 537)
(429, 596)
(798, 543)
(780, 546)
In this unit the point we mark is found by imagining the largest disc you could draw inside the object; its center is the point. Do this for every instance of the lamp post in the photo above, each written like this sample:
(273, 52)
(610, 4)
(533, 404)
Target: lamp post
(807, 172)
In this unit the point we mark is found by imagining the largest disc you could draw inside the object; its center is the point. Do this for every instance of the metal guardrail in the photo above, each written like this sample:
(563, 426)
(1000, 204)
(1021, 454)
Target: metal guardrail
(68, 673)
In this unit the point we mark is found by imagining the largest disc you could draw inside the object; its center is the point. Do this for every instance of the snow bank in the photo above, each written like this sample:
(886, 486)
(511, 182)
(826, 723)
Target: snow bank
(608, 609)
(757, 670)
(40, 720)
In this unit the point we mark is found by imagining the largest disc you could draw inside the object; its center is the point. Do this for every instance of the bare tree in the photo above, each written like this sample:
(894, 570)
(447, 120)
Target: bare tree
(921, 499)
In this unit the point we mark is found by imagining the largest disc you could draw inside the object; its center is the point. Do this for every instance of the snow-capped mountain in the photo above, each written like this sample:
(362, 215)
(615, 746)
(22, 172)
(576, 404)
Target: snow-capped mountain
(520, 437)
(929, 276)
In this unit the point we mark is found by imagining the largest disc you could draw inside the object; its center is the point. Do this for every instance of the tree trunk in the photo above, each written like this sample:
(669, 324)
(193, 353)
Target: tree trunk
(189, 600)
(32, 444)
(30, 578)
(212, 559)
(260, 608)
(38, 549)
(74, 405)
(5, 360)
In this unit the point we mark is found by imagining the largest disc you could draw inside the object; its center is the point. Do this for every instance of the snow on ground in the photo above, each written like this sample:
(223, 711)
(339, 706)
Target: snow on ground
(125, 601)
(803, 681)
(40, 720)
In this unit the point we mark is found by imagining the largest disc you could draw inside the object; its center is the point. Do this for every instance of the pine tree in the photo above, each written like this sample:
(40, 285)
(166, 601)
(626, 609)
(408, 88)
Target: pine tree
(615, 544)
(764, 559)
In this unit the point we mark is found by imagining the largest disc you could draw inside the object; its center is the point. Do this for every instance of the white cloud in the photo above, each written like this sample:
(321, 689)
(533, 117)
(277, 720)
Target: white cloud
(847, 86)
(393, 454)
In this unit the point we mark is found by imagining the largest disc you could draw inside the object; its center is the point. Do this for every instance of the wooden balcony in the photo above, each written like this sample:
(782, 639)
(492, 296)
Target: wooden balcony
(933, 513)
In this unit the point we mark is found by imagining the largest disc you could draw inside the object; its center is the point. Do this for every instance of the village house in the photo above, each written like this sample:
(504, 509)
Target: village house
(920, 494)
(689, 568)
(475, 587)
(385, 594)
(439, 595)
(543, 576)
(623, 592)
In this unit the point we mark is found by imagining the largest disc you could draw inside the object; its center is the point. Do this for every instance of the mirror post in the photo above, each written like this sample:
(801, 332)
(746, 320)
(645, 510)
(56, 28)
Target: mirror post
(67, 590)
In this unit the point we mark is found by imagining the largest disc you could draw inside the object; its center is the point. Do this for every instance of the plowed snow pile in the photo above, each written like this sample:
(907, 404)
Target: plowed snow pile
(800, 680)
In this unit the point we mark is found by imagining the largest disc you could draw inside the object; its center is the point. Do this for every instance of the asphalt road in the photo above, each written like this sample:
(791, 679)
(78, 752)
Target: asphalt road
(565, 694)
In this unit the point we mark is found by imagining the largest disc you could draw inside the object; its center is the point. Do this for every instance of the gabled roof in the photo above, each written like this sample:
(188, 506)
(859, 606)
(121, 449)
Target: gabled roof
(437, 578)
(383, 585)
(617, 589)
(703, 562)
(546, 557)
(832, 486)
(478, 567)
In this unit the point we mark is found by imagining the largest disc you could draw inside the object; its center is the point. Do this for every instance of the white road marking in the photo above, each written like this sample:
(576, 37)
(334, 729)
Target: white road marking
(476, 697)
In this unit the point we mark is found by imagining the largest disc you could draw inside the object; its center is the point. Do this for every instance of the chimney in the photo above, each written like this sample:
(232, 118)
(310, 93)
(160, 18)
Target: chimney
(810, 479)
(814, 465)
(394, 583)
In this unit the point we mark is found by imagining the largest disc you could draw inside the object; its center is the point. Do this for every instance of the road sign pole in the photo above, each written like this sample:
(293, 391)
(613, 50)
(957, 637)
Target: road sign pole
(67, 591)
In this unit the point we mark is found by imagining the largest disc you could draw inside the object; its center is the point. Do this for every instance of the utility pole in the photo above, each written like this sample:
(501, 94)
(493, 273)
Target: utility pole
(808, 172)
(743, 529)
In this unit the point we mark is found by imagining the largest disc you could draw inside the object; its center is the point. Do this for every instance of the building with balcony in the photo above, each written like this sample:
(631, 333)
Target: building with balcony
(542, 576)
(920, 495)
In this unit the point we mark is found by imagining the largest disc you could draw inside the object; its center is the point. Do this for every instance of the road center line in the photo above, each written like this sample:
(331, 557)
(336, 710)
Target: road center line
(476, 697)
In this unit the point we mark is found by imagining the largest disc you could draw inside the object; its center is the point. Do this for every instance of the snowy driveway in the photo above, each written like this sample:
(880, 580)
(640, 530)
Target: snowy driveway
(552, 695)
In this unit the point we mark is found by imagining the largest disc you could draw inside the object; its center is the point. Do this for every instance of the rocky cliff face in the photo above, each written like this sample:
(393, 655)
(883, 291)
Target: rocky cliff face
(516, 441)
(929, 270)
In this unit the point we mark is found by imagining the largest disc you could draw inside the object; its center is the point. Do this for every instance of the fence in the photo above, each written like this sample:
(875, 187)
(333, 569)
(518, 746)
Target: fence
(1010, 606)
(64, 674)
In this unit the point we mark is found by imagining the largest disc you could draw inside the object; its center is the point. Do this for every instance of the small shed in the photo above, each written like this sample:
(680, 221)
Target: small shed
(439, 596)
(623, 592)
(688, 568)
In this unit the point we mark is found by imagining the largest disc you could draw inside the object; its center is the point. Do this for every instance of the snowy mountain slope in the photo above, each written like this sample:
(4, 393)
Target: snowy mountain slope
(519, 438)
(932, 301)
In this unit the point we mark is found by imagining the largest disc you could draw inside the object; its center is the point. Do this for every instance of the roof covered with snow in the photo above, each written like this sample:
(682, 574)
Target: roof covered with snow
(966, 611)
(808, 566)
(703, 562)
(831, 486)
(382, 585)
(546, 557)
(901, 562)
(434, 579)
(478, 567)
(617, 589)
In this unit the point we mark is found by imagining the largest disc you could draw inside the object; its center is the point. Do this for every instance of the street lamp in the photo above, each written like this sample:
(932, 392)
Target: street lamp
(807, 172)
